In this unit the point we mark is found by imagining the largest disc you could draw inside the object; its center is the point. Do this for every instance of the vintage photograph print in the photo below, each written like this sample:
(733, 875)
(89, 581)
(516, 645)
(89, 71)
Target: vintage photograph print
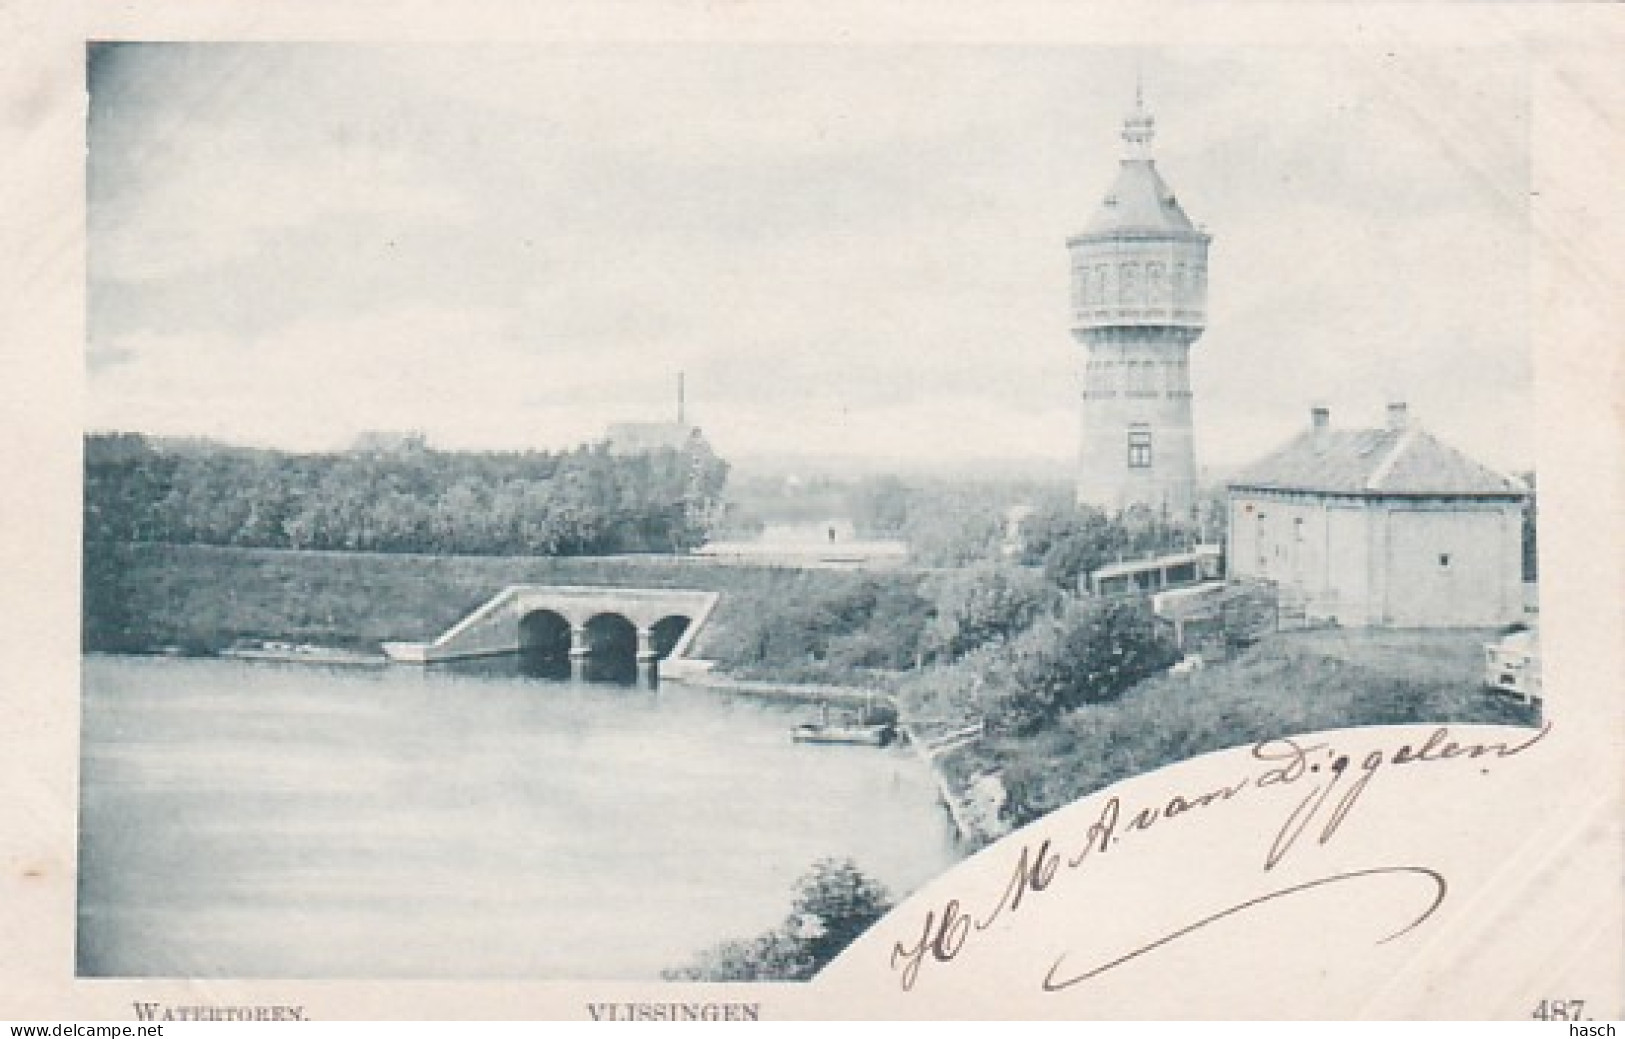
(639, 513)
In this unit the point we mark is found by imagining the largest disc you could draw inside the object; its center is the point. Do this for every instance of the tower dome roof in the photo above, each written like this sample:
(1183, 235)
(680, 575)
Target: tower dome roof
(1140, 204)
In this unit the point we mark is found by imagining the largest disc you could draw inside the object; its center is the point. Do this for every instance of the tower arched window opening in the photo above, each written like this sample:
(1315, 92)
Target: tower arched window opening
(1131, 283)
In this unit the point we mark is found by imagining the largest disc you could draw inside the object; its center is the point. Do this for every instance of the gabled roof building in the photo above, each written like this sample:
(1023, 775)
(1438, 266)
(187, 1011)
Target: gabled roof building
(1387, 526)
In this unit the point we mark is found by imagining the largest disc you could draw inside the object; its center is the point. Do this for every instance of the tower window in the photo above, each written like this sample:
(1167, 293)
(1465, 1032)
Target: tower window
(1130, 275)
(1139, 446)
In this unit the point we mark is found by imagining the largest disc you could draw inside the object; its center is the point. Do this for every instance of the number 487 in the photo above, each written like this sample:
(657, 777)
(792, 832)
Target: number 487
(1559, 1010)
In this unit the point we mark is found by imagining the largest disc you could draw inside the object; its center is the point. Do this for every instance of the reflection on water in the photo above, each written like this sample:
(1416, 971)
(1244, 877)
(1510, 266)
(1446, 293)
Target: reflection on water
(548, 666)
(554, 667)
(246, 819)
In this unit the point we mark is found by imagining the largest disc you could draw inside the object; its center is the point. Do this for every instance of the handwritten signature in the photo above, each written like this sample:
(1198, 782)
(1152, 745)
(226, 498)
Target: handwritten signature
(1333, 782)
(1439, 887)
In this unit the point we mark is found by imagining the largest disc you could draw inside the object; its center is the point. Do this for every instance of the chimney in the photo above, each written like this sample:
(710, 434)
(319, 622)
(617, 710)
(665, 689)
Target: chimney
(1320, 417)
(1396, 415)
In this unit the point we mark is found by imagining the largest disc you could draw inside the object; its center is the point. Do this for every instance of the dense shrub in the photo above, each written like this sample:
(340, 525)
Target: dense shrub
(834, 903)
(1091, 653)
(983, 604)
(1069, 541)
(879, 506)
(1283, 686)
(954, 527)
(818, 620)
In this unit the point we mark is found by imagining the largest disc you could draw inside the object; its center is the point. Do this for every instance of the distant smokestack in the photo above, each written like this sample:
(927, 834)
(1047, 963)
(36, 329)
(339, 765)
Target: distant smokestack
(1396, 415)
(1320, 417)
(679, 398)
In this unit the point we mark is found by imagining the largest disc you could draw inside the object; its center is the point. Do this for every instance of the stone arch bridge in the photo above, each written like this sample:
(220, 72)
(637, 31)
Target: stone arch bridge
(582, 622)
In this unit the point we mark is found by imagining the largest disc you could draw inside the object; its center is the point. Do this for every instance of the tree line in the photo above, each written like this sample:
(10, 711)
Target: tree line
(959, 523)
(404, 498)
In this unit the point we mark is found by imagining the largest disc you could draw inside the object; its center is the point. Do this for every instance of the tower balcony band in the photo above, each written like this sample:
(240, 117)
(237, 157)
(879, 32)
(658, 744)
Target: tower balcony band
(1148, 315)
(1158, 280)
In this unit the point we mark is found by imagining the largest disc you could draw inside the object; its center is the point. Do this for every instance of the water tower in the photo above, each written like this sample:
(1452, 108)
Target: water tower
(1139, 289)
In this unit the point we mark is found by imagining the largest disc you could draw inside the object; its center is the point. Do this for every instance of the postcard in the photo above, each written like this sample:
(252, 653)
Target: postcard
(762, 512)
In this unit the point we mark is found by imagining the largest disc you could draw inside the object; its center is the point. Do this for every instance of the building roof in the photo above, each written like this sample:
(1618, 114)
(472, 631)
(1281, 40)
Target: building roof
(1401, 461)
(1140, 204)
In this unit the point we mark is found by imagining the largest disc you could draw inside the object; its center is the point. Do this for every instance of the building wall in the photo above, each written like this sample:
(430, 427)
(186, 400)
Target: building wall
(1137, 378)
(1371, 561)
(1348, 583)
(1449, 567)
(1137, 304)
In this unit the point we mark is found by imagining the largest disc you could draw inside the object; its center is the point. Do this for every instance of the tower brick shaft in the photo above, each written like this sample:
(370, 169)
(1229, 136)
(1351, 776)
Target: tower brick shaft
(1139, 291)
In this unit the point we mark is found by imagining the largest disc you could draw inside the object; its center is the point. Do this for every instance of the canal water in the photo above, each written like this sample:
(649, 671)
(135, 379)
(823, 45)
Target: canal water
(263, 820)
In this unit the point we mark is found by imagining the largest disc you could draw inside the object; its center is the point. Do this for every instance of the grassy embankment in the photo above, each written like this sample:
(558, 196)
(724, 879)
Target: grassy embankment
(1291, 682)
(148, 597)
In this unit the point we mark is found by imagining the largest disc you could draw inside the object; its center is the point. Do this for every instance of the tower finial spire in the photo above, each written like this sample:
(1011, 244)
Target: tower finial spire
(1139, 128)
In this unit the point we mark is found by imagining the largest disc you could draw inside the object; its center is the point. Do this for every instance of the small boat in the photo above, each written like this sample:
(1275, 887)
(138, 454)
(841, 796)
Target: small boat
(864, 735)
(857, 729)
(300, 653)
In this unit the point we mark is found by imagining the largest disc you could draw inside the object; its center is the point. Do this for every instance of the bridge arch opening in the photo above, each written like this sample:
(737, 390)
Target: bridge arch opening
(544, 644)
(666, 633)
(612, 649)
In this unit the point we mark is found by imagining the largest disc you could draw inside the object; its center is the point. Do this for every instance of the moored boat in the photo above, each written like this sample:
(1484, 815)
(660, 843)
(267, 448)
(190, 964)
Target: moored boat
(870, 727)
(865, 735)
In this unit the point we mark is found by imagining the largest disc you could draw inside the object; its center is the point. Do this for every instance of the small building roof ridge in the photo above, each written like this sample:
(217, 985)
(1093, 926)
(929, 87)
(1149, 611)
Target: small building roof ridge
(1380, 474)
(1380, 461)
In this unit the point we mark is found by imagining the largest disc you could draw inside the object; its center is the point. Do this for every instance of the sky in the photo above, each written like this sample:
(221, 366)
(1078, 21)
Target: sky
(850, 251)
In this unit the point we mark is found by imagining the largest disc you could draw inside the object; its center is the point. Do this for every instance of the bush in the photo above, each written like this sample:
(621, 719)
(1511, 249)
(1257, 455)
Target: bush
(834, 903)
(1092, 653)
(1070, 541)
(954, 526)
(825, 622)
(986, 603)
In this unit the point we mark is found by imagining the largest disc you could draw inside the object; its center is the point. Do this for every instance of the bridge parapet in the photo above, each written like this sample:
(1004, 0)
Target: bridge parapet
(494, 627)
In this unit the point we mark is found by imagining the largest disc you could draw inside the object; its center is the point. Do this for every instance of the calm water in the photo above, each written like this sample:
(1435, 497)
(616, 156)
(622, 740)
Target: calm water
(245, 819)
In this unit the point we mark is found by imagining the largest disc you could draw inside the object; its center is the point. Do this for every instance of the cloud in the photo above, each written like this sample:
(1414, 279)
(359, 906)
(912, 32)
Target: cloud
(854, 246)
(962, 427)
(458, 375)
(466, 381)
(231, 198)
